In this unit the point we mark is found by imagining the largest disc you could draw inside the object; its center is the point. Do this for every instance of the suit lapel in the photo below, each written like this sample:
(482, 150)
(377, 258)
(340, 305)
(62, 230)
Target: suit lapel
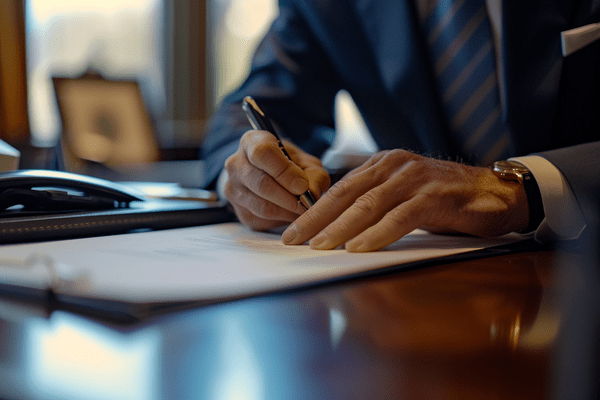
(532, 65)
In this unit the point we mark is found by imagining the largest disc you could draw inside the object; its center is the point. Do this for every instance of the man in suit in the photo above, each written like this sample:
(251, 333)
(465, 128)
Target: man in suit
(543, 96)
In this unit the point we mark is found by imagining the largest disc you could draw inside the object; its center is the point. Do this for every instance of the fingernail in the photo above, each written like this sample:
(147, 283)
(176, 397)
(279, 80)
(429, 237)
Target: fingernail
(289, 234)
(299, 186)
(318, 241)
(356, 247)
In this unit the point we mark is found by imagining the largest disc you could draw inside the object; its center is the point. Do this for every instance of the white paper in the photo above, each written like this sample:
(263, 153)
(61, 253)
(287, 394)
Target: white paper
(217, 261)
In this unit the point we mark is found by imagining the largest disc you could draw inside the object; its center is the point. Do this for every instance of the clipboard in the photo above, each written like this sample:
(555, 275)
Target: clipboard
(128, 278)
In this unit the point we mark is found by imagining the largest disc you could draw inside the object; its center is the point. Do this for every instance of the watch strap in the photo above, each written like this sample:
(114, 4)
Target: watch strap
(535, 203)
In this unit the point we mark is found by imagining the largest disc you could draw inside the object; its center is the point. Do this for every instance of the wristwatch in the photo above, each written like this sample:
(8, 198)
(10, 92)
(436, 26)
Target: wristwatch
(517, 172)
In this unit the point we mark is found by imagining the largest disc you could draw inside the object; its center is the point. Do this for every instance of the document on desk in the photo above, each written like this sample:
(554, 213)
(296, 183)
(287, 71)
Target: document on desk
(204, 264)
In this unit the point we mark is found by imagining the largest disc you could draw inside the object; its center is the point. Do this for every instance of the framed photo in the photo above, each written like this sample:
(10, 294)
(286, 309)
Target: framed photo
(104, 121)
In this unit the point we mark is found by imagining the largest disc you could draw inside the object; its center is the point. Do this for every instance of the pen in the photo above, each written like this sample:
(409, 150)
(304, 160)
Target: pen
(260, 121)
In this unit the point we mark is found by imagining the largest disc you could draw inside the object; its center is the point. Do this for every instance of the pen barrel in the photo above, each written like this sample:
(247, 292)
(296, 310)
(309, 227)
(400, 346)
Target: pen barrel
(258, 119)
(306, 199)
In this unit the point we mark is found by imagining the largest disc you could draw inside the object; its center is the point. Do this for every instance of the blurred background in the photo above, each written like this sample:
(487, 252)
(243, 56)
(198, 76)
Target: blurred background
(182, 55)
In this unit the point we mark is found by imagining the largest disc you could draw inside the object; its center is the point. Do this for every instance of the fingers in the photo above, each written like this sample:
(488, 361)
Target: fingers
(363, 213)
(394, 225)
(381, 215)
(318, 179)
(374, 159)
(245, 179)
(263, 152)
(263, 183)
(354, 203)
(339, 198)
(256, 223)
(255, 209)
(396, 192)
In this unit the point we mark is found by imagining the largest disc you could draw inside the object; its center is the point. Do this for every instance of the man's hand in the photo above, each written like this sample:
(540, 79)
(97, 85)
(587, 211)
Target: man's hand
(397, 191)
(263, 184)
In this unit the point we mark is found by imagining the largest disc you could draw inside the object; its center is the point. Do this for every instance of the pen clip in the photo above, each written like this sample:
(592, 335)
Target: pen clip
(259, 121)
(257, 117)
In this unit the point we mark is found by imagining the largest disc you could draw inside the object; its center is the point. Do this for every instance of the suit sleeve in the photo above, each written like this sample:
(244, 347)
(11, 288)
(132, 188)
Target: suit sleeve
(580, 165)
(292, 79)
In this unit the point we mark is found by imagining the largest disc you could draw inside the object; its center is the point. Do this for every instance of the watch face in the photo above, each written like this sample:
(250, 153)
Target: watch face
(510, 170)
(510, 167)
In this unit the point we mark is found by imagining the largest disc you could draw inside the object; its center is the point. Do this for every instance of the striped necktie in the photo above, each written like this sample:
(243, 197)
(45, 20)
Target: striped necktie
(459, 38)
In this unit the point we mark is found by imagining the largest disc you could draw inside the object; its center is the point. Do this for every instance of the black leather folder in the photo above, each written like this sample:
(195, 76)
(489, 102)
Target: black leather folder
(152, 214)
(40, 205)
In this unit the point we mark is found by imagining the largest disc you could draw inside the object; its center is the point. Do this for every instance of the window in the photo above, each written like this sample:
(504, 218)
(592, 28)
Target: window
(119, 39)
(236, 28)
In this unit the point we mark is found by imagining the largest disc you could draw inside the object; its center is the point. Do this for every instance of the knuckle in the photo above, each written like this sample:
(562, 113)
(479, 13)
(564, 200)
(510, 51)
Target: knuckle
(228, 191)
(244, 216)
(379, 155)
(281, 170)
(375, 158)
(340, 189)
(265, 209)
(367, 203)
(248, 138)
(262, 182)
(230, 163)
(414, 169)
(385, 163)
(323, 181)
(400, 156)
(247, 135)
(395, 153)
(232, 190)
(259, 152)
(310, 219)
(253, 221)
(397, 217)
(234, 194)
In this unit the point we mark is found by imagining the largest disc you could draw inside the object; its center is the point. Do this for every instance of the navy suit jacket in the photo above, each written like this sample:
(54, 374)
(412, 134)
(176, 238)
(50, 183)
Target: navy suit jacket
(375, 50)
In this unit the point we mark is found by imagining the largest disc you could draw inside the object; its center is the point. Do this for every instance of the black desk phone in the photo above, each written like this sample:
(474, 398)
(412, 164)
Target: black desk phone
(53, 191)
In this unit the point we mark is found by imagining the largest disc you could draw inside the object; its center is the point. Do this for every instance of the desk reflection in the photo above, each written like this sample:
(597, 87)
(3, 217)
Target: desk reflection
(475, 307)
(462, 330)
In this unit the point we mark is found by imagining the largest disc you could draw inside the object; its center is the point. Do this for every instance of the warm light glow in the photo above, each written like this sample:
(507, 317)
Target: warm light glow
(118, 38)
(249, 19)
(353, 143)
(42, 10)
(71, 358)
(354, 134)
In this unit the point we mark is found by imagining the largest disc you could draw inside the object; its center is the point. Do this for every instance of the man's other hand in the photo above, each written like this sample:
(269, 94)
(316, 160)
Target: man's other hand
(397, 191)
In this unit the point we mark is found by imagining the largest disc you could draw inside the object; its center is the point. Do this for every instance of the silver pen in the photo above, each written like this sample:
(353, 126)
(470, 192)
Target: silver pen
(260, 121)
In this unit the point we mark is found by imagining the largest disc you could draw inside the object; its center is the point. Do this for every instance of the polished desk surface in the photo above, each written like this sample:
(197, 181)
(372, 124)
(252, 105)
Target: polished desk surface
(466, 330)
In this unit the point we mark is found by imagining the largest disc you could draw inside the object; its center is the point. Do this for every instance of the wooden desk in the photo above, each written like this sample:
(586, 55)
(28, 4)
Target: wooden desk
(468, 330)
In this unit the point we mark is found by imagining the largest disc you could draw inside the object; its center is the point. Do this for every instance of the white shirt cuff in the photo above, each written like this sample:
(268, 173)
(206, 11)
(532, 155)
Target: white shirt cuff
(563, 217)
